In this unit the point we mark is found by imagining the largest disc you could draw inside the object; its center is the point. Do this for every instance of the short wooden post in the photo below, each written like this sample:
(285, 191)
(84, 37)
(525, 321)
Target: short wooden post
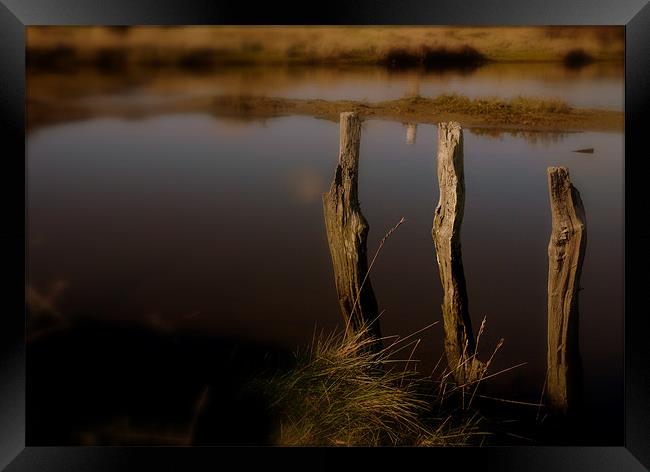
(566, 251)
(347, 231)
(460, 346)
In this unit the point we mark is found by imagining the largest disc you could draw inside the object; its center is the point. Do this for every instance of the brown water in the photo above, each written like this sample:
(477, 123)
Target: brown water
(193, 223)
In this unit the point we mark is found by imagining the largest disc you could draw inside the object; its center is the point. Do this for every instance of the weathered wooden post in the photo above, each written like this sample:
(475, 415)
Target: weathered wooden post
(460, 346)
(347, 232)
(566, 251)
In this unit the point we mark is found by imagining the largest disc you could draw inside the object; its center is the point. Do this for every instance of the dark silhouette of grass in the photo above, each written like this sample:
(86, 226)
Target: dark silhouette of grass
(402, 59)
(198, 59)
(577, 58)
(120, 30)
(465, 58)
(54, 59)
(110, 59)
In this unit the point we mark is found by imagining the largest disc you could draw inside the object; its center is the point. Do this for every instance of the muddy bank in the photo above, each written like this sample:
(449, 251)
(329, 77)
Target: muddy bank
(519, 114)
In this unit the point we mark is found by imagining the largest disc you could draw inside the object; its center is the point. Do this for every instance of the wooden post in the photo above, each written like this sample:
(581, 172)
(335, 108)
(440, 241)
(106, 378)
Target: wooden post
(460, 346)
(347, 232)
(566, 251)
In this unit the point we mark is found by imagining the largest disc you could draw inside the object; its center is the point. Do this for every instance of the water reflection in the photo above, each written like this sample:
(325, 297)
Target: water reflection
(307, 184)
(411, 132)
(545, 138)
(598, 85)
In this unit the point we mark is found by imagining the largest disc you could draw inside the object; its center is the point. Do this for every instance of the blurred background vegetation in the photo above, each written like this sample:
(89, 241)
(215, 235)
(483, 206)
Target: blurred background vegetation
(200, 46)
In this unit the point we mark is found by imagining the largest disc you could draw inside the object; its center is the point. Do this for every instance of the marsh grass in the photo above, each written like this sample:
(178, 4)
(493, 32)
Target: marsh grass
(340, 393)
(498, 106)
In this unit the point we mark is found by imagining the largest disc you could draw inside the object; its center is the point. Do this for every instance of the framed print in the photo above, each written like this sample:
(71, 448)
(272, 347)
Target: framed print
(415, 227)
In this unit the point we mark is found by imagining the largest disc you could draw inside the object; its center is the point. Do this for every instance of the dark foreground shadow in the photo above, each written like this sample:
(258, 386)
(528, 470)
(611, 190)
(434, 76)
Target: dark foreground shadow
(108, 384)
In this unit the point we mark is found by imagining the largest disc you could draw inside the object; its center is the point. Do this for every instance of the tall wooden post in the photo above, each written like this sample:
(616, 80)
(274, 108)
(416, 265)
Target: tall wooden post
(566, 251)
(460, 346)
(347, 232)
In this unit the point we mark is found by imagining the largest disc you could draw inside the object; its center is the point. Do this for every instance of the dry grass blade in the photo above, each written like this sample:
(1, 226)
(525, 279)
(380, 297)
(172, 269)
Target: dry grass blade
(341, 393)
(372, 263)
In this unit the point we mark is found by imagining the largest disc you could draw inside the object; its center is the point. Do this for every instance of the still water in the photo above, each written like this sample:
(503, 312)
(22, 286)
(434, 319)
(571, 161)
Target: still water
(199, 224)
(599, 85)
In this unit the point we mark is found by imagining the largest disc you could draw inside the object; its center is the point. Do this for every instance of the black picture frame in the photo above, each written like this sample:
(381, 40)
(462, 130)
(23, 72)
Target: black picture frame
(15, 15)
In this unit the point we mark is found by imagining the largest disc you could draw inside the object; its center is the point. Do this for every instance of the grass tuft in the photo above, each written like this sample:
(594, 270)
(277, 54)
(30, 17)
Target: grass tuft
(340, 393)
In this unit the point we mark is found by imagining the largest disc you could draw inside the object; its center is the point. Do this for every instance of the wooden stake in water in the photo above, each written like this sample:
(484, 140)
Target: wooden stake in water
(347, 231)
(566, 251)
(460, 346)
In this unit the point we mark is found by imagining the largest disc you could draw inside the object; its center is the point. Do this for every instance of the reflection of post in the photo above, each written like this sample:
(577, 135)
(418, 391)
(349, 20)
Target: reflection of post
(459, 341)
(411, 133)
(566, 251)
(347, 231)
(414, 85)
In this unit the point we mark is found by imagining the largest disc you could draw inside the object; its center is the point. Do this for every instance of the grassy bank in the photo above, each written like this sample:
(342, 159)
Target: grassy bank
(196, 47)
(518, 114)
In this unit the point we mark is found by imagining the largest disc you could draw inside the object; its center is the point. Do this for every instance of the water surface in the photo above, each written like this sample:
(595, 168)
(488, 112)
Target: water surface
(190, 223)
